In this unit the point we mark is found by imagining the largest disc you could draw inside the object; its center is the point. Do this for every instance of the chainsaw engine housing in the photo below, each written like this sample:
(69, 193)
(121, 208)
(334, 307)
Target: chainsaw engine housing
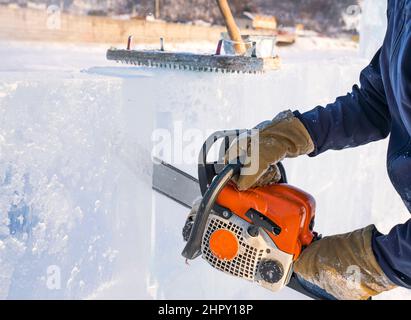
(255, 234)
(269, 227)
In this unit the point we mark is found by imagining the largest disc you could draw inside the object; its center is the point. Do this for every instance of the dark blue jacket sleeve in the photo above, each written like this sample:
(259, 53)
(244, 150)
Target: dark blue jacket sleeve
(393, 253)
(357, 118)
(360, 117)
(363, 116)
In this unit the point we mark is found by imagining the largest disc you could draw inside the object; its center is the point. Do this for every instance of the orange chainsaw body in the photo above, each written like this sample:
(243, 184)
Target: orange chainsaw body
(290, 208)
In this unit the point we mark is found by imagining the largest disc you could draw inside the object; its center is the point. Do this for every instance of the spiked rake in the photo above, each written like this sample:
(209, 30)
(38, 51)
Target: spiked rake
(243, 60)
(193, 61)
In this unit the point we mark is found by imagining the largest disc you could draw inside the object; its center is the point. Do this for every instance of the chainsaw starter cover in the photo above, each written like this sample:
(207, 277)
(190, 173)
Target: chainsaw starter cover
(224, 244)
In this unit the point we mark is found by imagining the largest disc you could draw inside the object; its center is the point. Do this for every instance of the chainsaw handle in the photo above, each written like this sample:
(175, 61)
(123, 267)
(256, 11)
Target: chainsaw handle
(208, 170)
(193, 246)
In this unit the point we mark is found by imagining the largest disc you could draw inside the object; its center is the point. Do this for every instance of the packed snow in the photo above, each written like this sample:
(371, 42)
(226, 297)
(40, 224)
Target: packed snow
(78, 217)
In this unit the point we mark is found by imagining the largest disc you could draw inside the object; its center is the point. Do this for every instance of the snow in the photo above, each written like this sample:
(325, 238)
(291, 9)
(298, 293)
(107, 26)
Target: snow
(372, 26)
(78, 218)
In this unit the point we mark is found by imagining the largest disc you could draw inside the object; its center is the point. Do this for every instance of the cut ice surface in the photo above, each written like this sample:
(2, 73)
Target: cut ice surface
(75, 171)
(74, 156)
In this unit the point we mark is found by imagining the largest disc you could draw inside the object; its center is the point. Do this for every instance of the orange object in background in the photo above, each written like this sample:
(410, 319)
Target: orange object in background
(224, 244)
(264, 22)
(289, 207)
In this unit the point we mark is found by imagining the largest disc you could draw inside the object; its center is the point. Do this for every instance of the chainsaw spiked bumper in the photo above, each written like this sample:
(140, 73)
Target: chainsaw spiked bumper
(193, 61)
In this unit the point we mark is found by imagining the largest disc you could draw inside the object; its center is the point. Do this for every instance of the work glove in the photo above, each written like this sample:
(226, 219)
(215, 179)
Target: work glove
(344, 266)
(283, 137)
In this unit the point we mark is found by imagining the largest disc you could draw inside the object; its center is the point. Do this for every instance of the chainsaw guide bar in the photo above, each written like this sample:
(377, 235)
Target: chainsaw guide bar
(194, 61)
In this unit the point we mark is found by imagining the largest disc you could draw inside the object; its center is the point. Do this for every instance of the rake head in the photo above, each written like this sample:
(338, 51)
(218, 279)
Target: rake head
(193, 61)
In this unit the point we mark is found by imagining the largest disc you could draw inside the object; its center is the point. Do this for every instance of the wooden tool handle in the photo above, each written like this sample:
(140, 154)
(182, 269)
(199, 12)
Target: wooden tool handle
(232, 28)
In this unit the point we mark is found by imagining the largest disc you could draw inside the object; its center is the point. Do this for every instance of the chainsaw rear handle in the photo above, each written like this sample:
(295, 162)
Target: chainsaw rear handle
(213, 177)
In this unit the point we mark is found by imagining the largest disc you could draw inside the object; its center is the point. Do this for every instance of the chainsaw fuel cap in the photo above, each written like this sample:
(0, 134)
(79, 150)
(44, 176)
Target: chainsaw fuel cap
(224, 244)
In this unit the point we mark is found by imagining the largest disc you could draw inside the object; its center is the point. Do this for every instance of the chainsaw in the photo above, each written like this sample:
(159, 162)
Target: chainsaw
(255, 234)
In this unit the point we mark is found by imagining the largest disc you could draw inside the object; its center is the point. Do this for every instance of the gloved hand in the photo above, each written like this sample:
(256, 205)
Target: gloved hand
(284, 136)
(344, 266)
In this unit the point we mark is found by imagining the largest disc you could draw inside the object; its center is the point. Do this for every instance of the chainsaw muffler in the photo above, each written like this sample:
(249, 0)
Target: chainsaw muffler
(255, 234)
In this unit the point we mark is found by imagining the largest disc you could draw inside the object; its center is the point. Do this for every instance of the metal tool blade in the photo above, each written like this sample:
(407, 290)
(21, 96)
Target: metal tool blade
(174, 183)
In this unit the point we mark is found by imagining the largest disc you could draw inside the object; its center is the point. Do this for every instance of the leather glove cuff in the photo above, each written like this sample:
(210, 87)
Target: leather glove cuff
(344, 266)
